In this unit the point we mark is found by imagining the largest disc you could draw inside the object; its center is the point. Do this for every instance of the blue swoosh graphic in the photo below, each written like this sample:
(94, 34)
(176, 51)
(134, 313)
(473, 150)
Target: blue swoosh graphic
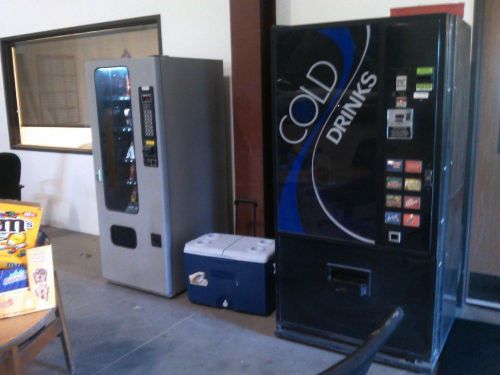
(288, 212)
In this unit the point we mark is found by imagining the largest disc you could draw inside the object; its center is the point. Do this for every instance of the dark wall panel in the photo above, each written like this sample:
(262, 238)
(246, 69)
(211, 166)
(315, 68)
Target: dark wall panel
(251, 21)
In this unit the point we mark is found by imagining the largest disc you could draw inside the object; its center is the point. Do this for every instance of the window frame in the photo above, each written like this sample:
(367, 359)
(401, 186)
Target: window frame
(11, 105)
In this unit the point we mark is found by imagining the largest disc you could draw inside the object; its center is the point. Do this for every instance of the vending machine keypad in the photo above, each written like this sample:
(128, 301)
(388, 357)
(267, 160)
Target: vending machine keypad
(149, 143)
(403, 198)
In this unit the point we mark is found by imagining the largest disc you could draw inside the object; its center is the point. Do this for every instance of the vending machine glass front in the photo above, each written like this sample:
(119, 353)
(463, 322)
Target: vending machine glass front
(114, 109)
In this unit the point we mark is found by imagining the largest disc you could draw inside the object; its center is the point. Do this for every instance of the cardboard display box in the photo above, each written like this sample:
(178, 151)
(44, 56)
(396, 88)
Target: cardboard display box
(26, 271)
(19, 225)
(13, 278)
(40, 294)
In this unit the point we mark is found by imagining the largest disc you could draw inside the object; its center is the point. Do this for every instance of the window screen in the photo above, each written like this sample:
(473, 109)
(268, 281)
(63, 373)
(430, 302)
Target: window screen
(47, 77)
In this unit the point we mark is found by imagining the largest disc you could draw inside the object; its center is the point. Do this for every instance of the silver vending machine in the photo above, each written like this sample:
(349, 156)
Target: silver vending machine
(161, 164)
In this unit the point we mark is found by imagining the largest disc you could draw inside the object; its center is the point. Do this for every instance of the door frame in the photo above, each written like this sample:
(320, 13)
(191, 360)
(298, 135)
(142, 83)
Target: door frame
(477, 48)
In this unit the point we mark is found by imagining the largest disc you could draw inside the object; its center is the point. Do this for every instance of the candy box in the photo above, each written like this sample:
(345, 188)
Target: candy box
(13, 278)
(19, 225)
(40, 293)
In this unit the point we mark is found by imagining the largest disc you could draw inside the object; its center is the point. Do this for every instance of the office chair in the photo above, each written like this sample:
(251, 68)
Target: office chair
(359, 362)
(10, 169)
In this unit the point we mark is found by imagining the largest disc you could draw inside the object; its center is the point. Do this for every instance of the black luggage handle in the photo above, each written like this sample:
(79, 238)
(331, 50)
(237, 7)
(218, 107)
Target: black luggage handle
(237, 203)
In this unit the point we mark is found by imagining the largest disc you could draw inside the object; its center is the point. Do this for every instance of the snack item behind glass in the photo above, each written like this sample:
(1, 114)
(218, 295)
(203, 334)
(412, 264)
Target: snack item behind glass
(19, 225)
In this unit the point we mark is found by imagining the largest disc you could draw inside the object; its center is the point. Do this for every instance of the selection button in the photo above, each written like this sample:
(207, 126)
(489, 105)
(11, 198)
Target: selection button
(413, 166)
(411, 220)
(413, 184)
(394, 183)
(394, 165)
(411, 202)
(392, 218)
(393, 200)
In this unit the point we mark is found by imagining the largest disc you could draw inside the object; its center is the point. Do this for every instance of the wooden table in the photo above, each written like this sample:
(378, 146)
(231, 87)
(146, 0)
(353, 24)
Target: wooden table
(18, 329)
(23, 337)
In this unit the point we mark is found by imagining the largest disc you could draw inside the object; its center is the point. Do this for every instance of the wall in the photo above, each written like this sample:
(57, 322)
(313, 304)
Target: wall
(291, 12)
(485, 234)
(64, 183)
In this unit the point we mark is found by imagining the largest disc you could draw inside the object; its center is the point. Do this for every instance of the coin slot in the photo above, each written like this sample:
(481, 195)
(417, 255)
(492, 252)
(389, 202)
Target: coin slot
(400, 124)
(155, 240)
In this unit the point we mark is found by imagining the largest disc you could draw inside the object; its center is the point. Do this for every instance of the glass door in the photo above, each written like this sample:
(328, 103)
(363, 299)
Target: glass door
(114, 110)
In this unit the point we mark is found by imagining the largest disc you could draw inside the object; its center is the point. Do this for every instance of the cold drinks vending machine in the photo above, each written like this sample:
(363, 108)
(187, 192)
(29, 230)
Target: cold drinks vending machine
(370, 122)
(159, 145)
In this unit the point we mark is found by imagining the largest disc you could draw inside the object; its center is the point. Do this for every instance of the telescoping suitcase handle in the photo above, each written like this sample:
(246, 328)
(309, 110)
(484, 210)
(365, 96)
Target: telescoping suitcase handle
(237, 203)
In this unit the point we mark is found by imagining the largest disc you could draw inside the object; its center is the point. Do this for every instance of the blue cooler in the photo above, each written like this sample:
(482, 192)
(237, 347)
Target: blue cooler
(232, 272)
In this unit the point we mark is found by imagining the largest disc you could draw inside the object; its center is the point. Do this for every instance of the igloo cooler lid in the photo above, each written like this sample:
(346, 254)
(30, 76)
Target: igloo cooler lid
(234, 247)
(250, 249)
(210, 244)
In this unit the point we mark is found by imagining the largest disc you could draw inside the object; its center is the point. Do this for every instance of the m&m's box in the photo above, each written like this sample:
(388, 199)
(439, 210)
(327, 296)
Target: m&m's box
(19, 225)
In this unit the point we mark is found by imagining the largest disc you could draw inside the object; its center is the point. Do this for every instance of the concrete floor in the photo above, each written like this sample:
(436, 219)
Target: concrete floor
(116, 330)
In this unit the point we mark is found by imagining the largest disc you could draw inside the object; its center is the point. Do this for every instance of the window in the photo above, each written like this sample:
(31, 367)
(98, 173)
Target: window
(44, 78)
(57, 91)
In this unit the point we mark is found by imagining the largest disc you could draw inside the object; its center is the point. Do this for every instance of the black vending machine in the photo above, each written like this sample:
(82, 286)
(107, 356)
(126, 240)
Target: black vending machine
(370, 129)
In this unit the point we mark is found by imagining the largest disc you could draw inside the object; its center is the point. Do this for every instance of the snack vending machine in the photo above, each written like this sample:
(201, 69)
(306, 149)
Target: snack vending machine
(370, 132)
(159, 141)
